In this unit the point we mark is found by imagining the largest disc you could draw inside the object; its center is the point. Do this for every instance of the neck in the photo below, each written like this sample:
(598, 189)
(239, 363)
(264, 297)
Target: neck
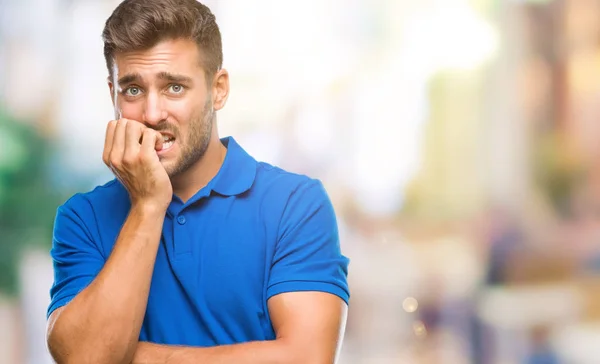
(200, 174)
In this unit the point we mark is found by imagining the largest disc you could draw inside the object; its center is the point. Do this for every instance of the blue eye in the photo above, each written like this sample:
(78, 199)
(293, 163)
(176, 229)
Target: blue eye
(132, 91)
(176, 89)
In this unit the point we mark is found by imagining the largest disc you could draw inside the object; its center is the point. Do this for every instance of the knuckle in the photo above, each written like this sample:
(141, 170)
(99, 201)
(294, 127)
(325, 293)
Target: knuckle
(139, 127)
(129, 124)
(129, 159)
(148, 134)
(111, 125)
(115, 162)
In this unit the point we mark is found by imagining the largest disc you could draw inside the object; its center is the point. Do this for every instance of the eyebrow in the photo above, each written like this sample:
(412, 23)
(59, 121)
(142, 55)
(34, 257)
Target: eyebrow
(129, 78)
(165, 76)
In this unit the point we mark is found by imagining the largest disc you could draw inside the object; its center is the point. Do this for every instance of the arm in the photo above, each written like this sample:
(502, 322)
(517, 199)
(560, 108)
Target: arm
(101, 324)
(309, 328)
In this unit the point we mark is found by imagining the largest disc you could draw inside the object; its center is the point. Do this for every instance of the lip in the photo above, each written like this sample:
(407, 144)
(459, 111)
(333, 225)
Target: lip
(167, 134)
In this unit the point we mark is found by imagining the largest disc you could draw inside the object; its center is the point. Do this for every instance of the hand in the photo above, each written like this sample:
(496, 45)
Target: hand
(130, 152)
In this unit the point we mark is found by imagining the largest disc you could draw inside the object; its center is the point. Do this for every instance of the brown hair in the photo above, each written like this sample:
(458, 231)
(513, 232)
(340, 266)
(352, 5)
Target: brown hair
(141, 24)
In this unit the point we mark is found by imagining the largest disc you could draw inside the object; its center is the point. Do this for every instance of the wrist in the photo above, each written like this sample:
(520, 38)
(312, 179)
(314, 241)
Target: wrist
(149, 208)
(148, 353)
(177, 355)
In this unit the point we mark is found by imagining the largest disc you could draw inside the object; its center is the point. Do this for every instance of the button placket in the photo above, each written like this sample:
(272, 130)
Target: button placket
(180, 236)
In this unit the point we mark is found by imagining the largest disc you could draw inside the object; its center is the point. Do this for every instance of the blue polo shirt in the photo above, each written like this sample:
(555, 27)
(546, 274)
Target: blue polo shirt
(253, 232)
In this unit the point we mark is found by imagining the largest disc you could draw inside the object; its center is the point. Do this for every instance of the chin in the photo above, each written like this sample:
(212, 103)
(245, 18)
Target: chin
(168, 166)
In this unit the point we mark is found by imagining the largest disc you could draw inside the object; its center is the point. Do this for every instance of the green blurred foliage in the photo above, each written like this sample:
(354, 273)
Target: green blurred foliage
(27, 201)
(557, 170)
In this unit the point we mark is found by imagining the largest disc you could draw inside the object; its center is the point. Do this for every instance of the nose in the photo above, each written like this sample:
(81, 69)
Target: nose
(154, 111)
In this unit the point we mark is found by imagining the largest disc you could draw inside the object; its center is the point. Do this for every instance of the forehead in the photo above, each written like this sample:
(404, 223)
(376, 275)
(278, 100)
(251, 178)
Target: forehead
(180, 56)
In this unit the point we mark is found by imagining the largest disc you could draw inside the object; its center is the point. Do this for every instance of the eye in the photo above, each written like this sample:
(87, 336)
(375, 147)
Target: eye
(176, 89)
(132, 91)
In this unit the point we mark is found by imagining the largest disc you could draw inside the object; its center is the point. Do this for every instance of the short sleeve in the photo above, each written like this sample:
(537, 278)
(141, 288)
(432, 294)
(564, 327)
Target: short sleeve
(76, 258)
(308, 256)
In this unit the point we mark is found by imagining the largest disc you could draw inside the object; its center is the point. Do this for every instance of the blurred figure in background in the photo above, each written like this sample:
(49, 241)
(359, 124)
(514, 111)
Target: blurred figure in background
(542, 350)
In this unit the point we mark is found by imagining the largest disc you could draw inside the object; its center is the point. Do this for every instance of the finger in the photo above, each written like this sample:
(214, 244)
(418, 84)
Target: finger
(150, 140)
(159, 142)
(108, 141)
(133, 133)
(118, 146)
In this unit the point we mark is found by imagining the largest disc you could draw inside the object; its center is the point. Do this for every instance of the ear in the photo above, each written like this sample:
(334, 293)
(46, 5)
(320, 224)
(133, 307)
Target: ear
(111, 90)
(113, 97)
(220, 89)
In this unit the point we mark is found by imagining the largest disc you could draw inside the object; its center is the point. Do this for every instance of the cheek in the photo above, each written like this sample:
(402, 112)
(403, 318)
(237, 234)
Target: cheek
(181, 114)
(131, 110)
(181, 110)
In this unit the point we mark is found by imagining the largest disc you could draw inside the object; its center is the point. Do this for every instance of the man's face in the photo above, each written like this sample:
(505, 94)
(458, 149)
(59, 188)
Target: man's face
(165, 88)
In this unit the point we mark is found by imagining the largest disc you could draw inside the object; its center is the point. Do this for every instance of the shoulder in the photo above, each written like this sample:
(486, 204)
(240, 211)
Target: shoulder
(288, 194)
(277, 184)
(110, 195)
(91, 218)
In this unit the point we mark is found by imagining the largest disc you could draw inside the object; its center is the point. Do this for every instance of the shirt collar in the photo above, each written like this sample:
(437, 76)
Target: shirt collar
(238, 171)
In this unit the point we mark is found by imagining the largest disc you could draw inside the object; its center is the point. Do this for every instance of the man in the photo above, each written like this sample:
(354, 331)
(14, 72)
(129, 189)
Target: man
(195, 253)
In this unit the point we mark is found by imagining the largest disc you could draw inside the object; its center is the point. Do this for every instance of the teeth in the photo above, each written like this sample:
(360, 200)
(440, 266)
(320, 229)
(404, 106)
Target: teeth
(167, 141)
(168, 144)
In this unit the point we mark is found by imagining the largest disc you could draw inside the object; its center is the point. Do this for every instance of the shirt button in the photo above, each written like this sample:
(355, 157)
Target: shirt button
(181, 220)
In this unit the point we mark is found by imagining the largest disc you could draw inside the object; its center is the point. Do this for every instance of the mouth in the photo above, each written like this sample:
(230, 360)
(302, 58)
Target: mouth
(168, 141)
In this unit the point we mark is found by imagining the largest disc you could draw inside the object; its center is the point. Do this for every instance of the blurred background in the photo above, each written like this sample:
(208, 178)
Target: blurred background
(458, 140)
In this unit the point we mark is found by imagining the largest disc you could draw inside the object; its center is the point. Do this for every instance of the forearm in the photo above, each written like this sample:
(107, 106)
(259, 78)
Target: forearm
(257, 352)
(104, 320)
